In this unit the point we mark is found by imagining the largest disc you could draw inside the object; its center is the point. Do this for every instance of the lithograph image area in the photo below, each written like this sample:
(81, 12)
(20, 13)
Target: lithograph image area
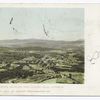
(42, 45)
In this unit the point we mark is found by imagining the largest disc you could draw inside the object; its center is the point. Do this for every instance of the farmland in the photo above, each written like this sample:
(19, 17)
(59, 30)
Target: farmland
(41, 61)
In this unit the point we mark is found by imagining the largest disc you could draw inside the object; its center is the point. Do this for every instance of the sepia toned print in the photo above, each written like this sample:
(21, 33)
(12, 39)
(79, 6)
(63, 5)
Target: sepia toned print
(42, 45)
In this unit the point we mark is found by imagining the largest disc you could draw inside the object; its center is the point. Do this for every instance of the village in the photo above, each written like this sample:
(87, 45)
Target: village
(37, 67)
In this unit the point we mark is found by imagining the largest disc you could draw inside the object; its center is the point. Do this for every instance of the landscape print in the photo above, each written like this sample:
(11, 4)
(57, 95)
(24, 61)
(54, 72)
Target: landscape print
(42, 45)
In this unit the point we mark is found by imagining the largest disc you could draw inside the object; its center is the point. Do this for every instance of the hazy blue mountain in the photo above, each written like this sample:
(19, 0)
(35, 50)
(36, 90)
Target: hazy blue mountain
(40, 43)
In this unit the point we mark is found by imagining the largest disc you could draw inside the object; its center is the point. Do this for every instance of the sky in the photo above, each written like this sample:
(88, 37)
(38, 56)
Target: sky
(42, 23)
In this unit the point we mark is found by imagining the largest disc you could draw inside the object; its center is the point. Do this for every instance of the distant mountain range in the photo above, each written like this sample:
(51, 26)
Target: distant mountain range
(40, 43)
